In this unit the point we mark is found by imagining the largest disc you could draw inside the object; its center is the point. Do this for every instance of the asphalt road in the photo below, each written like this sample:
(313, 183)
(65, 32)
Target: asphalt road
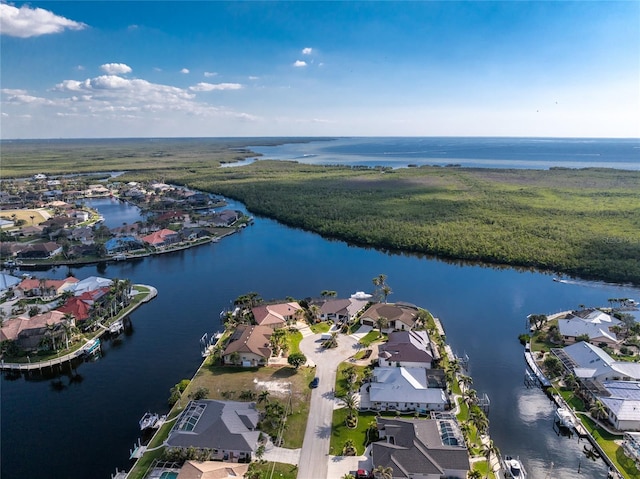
(315, 448)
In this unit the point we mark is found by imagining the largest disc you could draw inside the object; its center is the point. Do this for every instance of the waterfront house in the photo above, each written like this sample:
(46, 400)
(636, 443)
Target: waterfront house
(28, 332)
(84, 235)
(408, 349)
(212, 470)
(45, 287)
(421, 448)
(122, 244)
(126, 230)
(226, 217)
(40, 251)
(161, 238)
(227, 428)
(399, 316)
(592, 323)
(248, 346)
(92, 283)
(276, 315)
(339, 310)
(401, 389)
(591, 364)
(76, 306)
(621, 400)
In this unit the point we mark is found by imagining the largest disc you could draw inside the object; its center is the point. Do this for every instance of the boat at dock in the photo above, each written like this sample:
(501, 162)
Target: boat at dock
(148, 421)
(151, 420)
(565, 418)
(513, 468)
(92, 347)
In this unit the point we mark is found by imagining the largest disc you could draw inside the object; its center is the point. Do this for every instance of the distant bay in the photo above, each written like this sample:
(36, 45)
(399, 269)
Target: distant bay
(400, 152)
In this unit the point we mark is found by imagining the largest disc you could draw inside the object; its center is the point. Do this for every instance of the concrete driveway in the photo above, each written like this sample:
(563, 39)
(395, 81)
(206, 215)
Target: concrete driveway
(314, 456)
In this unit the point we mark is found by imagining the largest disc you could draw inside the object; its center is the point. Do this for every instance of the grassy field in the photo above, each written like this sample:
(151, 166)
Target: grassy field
(578, 222)
(25, 215)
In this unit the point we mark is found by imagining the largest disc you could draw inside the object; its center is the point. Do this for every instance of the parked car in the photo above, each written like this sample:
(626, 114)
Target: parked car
(315, 382)
(362, 474)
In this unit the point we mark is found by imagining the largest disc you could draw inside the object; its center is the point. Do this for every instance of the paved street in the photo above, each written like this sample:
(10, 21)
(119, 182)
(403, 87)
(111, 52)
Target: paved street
(314, 458)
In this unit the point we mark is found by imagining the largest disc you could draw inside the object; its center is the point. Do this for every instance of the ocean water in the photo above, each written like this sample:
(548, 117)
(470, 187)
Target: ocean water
(532, 153)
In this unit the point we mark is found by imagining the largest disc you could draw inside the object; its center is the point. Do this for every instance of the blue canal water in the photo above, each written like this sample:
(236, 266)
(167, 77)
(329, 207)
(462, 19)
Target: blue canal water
(533, 153)
(84, 426)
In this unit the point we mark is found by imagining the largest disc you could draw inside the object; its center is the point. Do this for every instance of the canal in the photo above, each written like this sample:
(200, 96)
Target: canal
(84, 425)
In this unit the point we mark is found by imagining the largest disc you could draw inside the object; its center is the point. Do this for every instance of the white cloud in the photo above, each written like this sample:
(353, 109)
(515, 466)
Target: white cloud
(79, 68)
(210, 74)
(25, 22)
(13, 91)
(184, 70)
(254, 78)
(215, 86)
(307, 51)
(115, 68)
(300, 63)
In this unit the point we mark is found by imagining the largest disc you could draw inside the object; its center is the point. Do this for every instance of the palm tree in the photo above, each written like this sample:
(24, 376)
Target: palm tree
(349, 448)
(314, 311)
(479, 420)
(381, 323)
(382, 472)
(465, 381)
(474, 474)
(263, 397)
(489, 449)
(386, 291)
(350, 374)
(470, 397)
(598, 410)
(350, 401)
(380, 282)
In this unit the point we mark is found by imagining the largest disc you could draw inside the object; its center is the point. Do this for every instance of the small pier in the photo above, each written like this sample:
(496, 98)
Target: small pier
(528, 356)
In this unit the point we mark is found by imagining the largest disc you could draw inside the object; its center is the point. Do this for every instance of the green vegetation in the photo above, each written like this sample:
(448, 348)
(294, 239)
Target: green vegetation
(372, 337)
(274, 469)
(579, 222)
(614, 451)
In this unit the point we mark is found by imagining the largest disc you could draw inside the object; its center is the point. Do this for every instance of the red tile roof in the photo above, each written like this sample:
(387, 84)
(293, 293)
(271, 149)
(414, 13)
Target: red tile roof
(158, 237)
(77, 307)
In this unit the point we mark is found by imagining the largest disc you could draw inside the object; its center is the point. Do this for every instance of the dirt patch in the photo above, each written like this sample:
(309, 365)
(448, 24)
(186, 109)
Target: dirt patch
(274, 387)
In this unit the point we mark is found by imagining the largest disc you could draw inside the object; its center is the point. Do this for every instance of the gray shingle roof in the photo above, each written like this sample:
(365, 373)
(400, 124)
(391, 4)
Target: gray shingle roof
(227, 425)
(417, 448)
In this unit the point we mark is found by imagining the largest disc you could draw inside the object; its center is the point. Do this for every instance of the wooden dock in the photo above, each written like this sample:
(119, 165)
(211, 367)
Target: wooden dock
(528, 356)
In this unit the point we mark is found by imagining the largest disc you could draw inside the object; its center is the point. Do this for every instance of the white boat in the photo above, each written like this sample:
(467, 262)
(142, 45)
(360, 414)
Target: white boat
(565, 418)
(513, 468)
(148, 420)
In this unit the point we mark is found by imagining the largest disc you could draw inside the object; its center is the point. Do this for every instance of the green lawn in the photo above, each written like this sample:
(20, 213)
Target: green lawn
(340, 433)
(615, 452)
(277, 470)
(293, 341)
(371, 337)
(322, 327)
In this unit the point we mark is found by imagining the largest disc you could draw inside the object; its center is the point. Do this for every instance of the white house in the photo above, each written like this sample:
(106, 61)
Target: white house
(591, 362)
(622, 403)
(401, 389)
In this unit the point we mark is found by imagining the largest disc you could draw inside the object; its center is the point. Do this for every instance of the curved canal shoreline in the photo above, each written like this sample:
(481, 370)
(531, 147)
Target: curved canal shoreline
(59, 361)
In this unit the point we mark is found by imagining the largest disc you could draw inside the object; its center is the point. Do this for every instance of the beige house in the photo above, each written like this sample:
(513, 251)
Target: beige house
(249, 346)
(212, 470)
(276, 315)
(400, 317)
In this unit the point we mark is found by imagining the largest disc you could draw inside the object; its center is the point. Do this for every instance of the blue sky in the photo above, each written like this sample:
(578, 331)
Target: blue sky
(164, 68)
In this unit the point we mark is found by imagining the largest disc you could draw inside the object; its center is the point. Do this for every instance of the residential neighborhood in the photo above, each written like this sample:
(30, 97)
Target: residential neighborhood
(394, 375)
(48, 221)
